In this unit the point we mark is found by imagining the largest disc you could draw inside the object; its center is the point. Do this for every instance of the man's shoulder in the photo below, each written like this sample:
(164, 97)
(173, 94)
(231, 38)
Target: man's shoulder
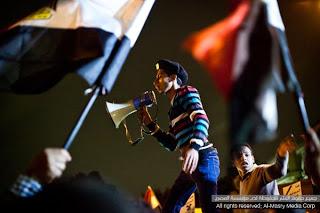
(263, 166)
(261, 169)
(186, 89)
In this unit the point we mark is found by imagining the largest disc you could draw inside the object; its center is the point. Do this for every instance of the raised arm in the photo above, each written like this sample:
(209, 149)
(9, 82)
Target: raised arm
(279, 168)
(46, 166)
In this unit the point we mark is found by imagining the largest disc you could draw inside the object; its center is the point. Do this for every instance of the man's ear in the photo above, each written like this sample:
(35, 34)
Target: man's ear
(173, 77)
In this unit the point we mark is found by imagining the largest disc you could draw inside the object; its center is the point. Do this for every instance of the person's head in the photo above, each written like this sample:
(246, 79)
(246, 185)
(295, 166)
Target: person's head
(169, 75)
(242, 158)
(82, 193)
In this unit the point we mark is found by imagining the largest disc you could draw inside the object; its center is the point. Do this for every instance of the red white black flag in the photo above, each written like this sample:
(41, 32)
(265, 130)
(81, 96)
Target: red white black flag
(243, 56)
(70, 36)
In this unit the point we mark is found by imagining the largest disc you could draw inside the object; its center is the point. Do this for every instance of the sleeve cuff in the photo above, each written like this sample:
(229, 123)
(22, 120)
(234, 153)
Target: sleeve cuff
(195, 146)
(26, 186)
(153, 127)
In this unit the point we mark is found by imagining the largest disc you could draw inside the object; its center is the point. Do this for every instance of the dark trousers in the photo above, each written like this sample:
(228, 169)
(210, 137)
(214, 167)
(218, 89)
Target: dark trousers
(204, 179)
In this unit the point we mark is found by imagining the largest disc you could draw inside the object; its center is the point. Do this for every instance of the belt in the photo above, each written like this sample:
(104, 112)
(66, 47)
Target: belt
(211, 148)
(204, 149)
(206, 146)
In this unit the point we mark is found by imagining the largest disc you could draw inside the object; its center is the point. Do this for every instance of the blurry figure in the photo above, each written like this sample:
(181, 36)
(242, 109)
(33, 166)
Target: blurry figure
(312, 156)
(296, 167)
(188, 132)
(82, 193)
(41, 189)
(260, 179)
(46, 166)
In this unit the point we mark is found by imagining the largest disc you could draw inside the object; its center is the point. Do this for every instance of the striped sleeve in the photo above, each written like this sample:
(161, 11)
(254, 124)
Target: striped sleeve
(26, 186)
(189, 99)
(166, 139)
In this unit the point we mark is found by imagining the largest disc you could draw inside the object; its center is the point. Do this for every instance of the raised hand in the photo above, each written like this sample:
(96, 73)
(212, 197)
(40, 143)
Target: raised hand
(48, 164)
(286, 145)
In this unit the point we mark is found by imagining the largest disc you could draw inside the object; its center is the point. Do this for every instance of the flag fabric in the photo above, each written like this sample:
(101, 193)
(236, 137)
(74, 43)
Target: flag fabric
(190, 205)
(78, 36)
(242, 54)
(151, 199)
(214, 47)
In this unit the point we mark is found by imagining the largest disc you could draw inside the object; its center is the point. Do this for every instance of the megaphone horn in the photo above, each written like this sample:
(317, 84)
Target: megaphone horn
(119, 112)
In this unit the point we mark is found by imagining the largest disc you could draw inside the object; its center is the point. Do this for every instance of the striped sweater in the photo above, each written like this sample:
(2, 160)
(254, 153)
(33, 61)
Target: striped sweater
(188, 121)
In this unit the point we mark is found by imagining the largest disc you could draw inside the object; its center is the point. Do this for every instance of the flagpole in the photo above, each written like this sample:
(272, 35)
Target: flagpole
(293, 81)
(81, 118)
(302, 109)
(106, 80)
(114, 64)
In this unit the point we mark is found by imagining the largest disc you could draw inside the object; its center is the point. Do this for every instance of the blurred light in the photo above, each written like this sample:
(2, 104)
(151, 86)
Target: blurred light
(308, 3)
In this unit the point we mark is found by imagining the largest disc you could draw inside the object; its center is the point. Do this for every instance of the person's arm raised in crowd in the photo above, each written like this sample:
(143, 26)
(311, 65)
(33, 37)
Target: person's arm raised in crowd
(279, 168)
(48, 165)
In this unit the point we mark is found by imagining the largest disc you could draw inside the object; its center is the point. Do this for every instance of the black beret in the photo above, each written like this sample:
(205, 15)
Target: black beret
(171, 67)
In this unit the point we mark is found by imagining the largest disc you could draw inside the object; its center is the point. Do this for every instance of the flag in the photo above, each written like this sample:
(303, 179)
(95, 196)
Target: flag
(151, 199)
(85, 37)
(243, 55)
(190, 205)
(214, 47)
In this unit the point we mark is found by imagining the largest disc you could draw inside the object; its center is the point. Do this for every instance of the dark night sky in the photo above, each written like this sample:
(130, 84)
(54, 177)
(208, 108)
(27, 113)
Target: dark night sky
(30, 123)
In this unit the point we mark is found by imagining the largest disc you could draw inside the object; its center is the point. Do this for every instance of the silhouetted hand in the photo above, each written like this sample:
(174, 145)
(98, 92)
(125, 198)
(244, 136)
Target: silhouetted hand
(286, 145)
(48, 164)
(190, 161)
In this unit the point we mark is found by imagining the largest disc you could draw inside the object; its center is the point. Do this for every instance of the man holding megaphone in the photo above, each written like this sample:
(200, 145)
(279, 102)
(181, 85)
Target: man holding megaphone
(188, 132)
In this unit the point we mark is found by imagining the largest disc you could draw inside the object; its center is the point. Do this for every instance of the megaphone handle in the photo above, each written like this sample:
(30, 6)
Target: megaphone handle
(129, 136)
(154, 119)
(127, 131)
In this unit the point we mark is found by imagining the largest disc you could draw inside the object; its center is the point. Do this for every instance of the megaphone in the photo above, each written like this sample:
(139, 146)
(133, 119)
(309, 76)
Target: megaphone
(119, 112)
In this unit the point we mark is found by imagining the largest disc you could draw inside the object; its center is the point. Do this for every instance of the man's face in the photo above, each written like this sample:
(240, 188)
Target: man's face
(163, 82)
(244, 160)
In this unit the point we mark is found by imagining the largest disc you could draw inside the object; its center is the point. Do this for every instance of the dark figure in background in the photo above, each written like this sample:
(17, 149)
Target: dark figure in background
(45, 167)
(188, 132)
(312, 155)
(260, 179)
(41, 189)
(82, 193)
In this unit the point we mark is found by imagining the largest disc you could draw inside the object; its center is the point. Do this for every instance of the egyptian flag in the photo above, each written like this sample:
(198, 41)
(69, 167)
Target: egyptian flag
(243, 55)
(190, 205)
(151, 199)
(89, 37)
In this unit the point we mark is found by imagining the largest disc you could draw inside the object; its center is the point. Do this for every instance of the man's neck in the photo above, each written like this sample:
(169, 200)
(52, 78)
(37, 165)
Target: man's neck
(172, 92)
(243, 173)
